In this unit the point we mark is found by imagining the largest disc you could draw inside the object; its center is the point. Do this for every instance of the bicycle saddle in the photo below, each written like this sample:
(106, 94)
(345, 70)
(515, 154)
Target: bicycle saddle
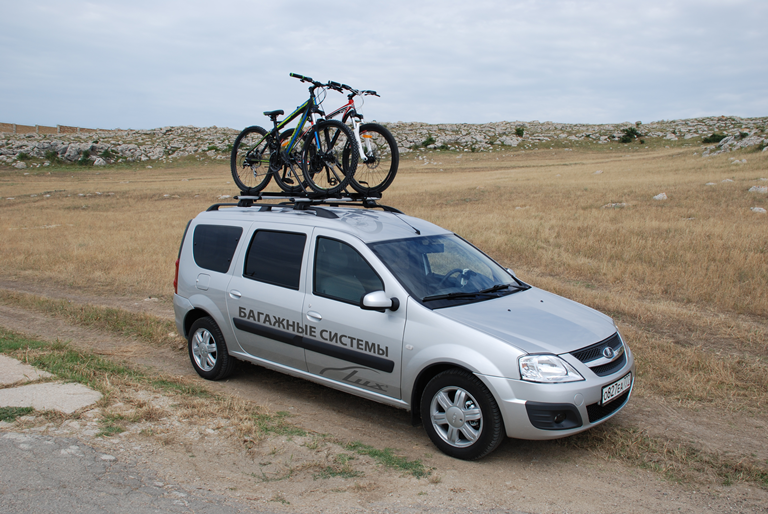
(274, 114)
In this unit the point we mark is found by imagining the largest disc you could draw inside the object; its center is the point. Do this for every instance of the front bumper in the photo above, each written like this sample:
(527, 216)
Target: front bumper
(550, 411)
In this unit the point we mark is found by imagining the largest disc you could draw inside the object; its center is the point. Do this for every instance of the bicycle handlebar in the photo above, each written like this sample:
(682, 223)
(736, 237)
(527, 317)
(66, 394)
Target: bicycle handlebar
(334, 85)
(307, 79)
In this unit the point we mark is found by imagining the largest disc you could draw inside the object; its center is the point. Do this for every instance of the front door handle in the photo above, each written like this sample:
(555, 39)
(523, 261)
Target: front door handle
(235, 294)
(314, 316)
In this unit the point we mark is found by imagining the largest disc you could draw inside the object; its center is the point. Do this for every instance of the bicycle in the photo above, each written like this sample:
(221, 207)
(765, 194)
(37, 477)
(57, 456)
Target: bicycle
(376, 145)
(328, 158)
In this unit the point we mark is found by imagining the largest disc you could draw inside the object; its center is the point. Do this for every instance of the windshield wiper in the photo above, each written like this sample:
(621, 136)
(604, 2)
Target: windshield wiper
(461, 294)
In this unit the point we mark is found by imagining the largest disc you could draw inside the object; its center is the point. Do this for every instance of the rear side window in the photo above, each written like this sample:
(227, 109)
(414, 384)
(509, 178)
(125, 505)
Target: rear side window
(275, 258)
(215, 245)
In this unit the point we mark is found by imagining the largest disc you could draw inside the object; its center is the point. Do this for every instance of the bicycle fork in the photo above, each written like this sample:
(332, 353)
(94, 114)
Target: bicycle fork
(359, 139)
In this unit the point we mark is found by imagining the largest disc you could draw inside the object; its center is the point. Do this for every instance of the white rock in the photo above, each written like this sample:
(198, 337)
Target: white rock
(99, 162)
(660, 196)
(758, 189)
(598, 172)
(710, 184)
(727, 180)
(758, 209)
(20, 165)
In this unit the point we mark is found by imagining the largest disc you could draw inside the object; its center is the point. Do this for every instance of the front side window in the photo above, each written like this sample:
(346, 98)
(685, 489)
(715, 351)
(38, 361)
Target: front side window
(275, 258)
(341, 273)
(213, 246)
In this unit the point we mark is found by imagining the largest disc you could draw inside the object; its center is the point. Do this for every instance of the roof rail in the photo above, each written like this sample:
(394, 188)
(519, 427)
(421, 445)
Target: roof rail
(307, 201)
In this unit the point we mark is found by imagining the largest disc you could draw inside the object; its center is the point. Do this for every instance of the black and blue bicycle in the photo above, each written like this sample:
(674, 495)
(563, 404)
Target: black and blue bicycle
(325, 153)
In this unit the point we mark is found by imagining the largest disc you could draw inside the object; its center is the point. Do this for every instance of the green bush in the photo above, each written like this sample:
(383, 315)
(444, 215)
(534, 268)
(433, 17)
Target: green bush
(630, 134)
(22, 156)
(520, 131)
(714, 138)
(108, 154)
(85, 158)
(429, 141)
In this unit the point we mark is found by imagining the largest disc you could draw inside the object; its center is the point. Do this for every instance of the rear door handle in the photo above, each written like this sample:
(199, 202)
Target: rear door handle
(235, 294)
(314, 316)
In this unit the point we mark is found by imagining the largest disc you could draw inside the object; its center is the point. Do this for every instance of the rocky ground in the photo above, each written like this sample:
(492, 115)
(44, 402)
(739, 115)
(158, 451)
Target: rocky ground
(172, 143)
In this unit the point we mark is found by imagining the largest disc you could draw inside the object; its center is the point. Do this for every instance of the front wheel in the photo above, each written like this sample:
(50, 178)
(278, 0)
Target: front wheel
(208, 350)
(250, 160)
(461, 416)
(377, 168)
(330, 157)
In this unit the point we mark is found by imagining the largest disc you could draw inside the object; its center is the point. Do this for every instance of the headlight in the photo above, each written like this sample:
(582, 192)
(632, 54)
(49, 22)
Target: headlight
(548, 369)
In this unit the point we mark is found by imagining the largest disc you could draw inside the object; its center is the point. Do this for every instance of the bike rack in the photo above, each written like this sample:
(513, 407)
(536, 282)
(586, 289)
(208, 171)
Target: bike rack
(307, 201)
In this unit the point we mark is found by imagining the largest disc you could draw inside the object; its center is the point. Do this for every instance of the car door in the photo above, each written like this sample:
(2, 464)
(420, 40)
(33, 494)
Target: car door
(356, 347)
(266, 294)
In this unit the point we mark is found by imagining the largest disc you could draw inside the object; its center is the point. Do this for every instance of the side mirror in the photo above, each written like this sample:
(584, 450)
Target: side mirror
(509, 270)
(378, 301)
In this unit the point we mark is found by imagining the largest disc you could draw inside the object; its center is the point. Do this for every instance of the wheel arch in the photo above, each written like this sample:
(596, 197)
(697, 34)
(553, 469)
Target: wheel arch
(192, 316)
(422, 379)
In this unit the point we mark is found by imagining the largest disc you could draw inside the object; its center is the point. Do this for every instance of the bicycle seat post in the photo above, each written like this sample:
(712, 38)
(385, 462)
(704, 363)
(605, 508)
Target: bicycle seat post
(273, 116)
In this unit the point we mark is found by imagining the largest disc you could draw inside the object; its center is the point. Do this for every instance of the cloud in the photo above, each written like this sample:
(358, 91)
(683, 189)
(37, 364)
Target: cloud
(146, 64)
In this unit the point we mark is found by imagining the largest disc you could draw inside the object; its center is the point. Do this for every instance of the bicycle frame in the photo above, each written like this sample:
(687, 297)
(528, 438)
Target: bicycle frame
(351, 113)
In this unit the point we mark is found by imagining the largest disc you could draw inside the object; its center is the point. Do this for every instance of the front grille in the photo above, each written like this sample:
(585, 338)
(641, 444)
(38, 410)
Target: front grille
(594, 351)
(611, 367)
(596, 412)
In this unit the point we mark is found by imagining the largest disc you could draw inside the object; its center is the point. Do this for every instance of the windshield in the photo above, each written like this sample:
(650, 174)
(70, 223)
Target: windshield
(445, 270)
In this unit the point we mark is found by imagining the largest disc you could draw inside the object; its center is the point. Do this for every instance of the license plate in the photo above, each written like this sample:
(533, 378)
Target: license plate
(611, 391)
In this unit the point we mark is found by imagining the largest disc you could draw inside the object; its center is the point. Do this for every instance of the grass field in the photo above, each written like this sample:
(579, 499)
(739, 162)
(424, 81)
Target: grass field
(686, 277)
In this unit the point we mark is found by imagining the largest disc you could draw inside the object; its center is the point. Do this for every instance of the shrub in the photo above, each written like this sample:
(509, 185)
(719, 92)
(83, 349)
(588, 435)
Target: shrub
(714, 138)
(520, 131)
(22, 156)
(108, 154)
(429, 141)
(85, 158)
(52, 156)
(742, 135)
(630, 134)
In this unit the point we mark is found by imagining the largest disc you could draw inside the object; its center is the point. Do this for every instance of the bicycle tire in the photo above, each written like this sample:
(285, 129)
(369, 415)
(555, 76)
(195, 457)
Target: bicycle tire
(330, 157)
(377, 169)
(283, 176)
(250, 160)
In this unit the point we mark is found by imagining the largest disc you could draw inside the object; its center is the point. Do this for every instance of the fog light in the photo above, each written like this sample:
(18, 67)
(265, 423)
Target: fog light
(559, 417)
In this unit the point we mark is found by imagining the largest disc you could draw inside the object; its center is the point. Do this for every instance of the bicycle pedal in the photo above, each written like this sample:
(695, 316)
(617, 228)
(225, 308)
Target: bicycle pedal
(288, 180)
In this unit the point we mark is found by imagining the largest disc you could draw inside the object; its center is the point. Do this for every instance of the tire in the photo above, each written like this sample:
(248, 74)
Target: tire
(377, 168)
(250, 160)
(208, 351)
(284, 176)
(461, 416)
(329, 158)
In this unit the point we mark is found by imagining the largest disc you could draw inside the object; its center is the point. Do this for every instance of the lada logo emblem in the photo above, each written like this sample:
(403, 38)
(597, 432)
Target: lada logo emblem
(608, 352)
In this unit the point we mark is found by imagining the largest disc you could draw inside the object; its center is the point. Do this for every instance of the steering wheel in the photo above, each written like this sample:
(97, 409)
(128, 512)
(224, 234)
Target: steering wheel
(463, 272)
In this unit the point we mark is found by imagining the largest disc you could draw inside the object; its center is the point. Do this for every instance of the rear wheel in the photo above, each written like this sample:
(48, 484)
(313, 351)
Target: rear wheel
(460, 415)
(250, 160)
(330, 157)
(208, 351)
(288, 176)
(377, 168)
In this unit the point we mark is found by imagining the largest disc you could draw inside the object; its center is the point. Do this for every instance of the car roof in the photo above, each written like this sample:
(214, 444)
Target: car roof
(368, 225)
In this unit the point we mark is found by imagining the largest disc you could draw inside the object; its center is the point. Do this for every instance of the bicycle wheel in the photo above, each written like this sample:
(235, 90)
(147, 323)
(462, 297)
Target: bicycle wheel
(286, 177)
(377, 168)
(326, 168)
(250, 160)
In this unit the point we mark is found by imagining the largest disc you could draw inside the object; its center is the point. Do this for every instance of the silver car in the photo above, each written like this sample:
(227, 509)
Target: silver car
(400, 311)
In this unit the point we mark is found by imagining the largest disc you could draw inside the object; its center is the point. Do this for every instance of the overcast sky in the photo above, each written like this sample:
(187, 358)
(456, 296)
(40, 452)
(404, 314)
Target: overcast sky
(146, 64)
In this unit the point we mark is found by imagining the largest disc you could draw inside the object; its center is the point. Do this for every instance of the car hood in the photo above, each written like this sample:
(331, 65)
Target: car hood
(535, 321)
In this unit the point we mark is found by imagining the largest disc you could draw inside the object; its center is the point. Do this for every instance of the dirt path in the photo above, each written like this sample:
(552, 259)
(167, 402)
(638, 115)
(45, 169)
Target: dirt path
(520, 476)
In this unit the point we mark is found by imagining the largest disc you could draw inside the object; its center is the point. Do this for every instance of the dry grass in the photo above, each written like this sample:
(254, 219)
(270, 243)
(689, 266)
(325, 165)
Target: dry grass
(686, 277)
